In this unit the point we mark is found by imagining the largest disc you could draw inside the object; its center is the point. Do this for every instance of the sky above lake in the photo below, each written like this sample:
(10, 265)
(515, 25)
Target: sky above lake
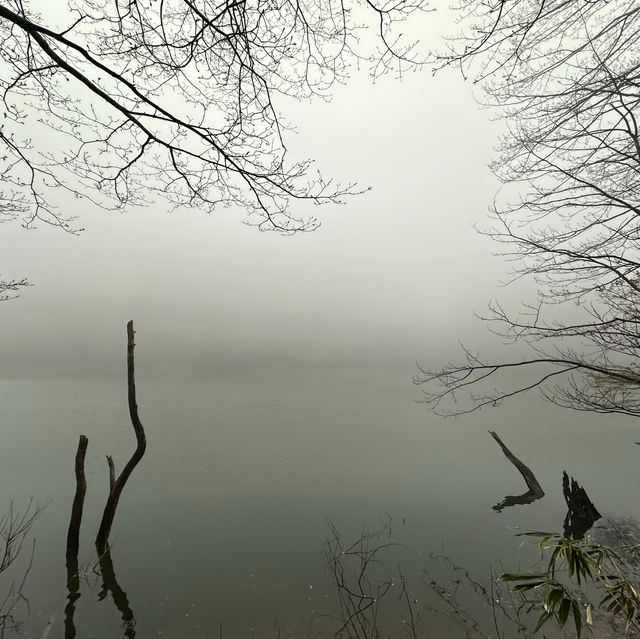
(398, 270)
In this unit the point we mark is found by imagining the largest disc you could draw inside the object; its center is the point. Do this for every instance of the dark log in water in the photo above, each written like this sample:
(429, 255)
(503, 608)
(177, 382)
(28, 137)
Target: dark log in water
(535, 490)
(73, 535)
(73, 541)
(117, 485)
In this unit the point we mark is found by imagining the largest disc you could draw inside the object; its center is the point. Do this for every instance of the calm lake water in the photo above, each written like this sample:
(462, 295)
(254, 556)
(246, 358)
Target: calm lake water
(221, 530)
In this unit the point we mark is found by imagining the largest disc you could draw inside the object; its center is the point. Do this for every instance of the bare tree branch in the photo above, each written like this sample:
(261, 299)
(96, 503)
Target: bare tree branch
(8, 287)
(14, 528)
(116, 485)
(179, 99)
(565, 76)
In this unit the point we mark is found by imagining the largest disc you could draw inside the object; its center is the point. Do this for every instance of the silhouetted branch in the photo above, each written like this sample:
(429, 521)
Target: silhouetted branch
(459, 598)
(535, 490)
(359, 594)
(116, 486)
(14, 529)
(7, 287)
(180, 99)
(565, 76)
(73, 534)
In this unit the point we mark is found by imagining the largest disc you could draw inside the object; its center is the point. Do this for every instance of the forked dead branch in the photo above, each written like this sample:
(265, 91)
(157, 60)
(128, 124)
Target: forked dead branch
(116, 484)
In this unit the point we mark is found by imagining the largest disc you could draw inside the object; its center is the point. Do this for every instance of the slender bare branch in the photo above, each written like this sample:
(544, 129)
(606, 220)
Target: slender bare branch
(116, 485)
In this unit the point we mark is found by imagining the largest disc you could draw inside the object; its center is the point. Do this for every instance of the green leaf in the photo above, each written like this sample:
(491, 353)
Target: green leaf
(510, 576)
(552, 561)
(563, 613)
(544, 617)
(571, 565)
(555, 596)
(577, 617)
(529, 586)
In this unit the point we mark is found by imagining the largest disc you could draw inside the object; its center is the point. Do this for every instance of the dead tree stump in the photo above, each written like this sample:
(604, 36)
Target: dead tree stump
(582, 514)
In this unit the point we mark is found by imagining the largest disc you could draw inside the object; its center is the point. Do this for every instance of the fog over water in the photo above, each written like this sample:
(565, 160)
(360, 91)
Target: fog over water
(274, 381)
(398, 269)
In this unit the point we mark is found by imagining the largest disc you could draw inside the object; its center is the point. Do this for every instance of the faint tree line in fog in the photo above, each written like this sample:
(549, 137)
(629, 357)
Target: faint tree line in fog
(565, 76)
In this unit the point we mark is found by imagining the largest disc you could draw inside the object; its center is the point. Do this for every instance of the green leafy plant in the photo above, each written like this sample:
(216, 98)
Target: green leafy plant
(583, 561)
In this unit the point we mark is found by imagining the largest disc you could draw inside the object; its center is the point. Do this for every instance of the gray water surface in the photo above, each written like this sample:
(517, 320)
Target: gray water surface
(221, 529)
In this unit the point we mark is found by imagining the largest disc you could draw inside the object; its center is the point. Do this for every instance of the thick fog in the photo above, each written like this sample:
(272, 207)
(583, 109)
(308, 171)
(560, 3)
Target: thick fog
(397, 271)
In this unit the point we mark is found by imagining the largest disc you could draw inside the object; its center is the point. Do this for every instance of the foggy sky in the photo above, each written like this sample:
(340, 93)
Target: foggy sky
(397, 271)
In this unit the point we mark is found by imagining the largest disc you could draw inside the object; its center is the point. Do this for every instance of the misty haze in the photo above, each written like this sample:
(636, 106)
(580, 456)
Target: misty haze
(320, 349)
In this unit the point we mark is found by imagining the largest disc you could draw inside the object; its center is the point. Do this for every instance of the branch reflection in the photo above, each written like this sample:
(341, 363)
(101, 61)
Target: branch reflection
(110, 585)
(73, 594)
(517, 500)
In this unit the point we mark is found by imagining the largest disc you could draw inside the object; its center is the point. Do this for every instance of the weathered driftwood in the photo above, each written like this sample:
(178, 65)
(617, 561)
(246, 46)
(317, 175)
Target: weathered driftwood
(582, 514)
(116, 485)
(73, 535)
(535, 490)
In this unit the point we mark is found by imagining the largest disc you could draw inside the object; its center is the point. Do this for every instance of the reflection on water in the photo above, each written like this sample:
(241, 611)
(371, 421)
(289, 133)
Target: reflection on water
(517, 500)
(73, 590)
(118, 595)
(110, 586)
(242, 469)
(581, 514)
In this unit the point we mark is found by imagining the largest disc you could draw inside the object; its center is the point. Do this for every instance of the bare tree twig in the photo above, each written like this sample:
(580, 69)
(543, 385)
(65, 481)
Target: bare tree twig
(14, 529)
(180, 99)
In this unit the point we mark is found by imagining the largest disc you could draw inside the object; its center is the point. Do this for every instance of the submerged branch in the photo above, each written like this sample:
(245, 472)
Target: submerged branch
(116, 487)
(535, 490)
